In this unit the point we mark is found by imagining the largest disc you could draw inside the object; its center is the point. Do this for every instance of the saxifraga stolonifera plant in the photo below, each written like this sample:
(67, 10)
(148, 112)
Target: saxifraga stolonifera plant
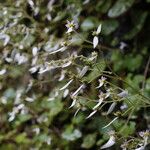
(76, 75)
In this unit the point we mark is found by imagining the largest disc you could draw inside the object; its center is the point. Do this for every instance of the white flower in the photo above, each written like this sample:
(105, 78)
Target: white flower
(96, 33)
(70, 26)
(101, 82)
(145, 135)
(101, 96)
(36, 130)
(20, 59)
(110, 142)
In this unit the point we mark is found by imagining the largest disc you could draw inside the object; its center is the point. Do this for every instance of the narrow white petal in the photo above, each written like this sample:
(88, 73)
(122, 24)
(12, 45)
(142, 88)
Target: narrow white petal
(123, 94)
(59, 50)
(95, 41)
(66, 85)
(140, 148)
(34, 51)
(111, 108)
(98, 104)
(83, 71)
(66, 64)
(99, 29)
(91, 114)
(66, 92)
(76, 92)
(110, 122)
(61, 77)
(73, 103)
(110, 143)
(76, 112)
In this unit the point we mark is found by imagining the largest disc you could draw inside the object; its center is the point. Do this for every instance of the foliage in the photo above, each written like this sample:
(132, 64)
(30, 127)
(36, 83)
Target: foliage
(74, 74)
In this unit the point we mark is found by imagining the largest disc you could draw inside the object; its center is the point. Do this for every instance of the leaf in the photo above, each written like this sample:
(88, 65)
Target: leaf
(88, 141)
(139, 23)
(95, 41)
(120, 7)
(71, 134)
(87, 24)
(109, 26)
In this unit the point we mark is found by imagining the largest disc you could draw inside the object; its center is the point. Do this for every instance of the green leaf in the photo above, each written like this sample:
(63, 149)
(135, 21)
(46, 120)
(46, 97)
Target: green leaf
(71, 134)
(89, 140)
(103, 6)
(88, 24)
(138, 25)
(120, 7)
(108, 26)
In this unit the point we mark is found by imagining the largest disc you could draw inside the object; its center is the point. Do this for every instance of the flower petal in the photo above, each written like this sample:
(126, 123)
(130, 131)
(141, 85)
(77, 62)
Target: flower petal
(99, 29)
(110, 143)
(95, 41)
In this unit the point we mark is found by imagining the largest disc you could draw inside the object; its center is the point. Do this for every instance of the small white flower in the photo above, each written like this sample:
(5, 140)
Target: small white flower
(36, 130)
(110, 142)
(101, 98)
(101, 82)
(33, 69)
(20, 59)
(70, 26)
(96, 33)
(122, 45)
